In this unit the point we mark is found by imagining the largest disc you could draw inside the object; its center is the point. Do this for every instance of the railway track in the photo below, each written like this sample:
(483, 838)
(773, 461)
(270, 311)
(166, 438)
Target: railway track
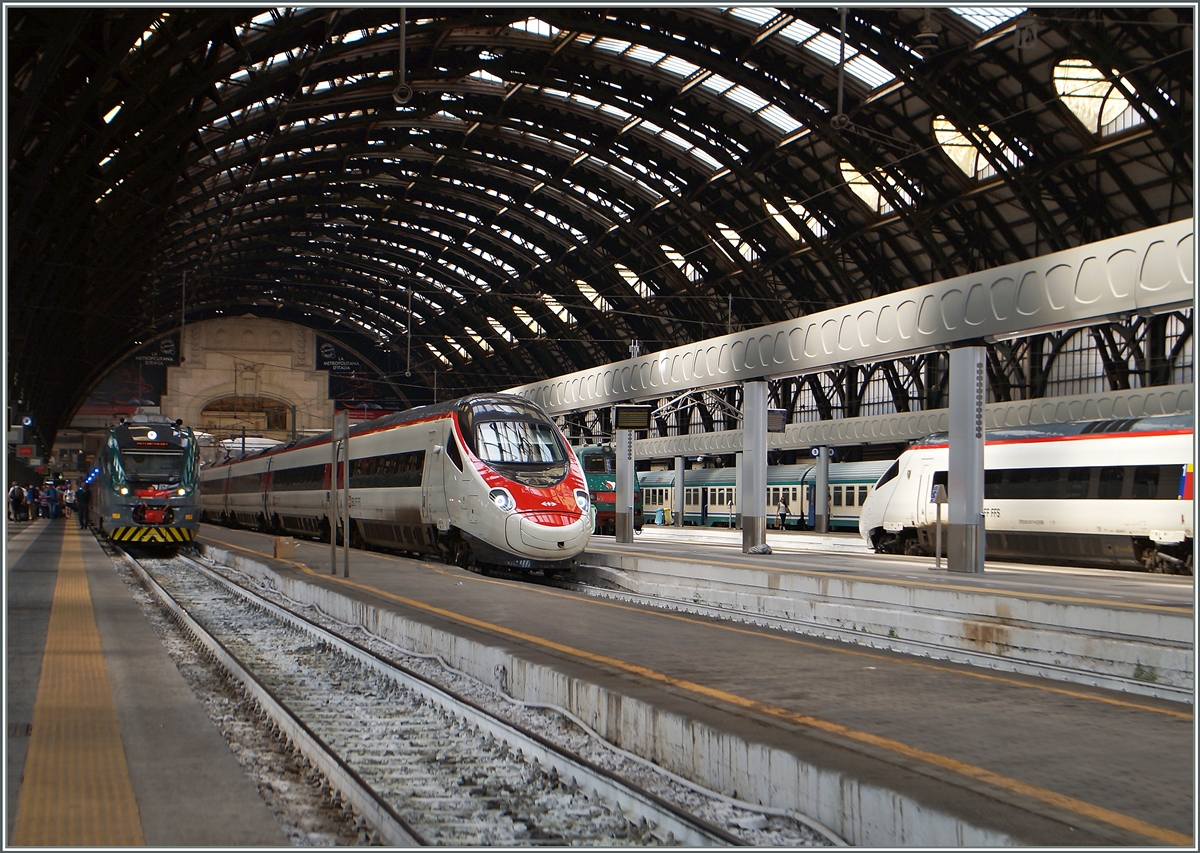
(417, 764)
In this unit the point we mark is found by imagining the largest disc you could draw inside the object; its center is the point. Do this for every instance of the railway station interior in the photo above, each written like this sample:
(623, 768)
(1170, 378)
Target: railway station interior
(769, 425)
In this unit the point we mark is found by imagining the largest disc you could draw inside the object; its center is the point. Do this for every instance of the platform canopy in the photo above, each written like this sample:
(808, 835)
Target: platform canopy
(492, 196)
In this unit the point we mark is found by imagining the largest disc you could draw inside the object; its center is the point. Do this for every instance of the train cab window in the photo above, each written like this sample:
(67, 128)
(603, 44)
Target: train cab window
(837, 495)
(1078, 481)
(593, 464)
(1111, 480)
(862, 495)
(890, 474)
(1145, 481)
(452, 452)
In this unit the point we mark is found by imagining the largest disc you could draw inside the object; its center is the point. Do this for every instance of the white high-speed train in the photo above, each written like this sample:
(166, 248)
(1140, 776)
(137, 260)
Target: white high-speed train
(1107, 493)
(483, 479)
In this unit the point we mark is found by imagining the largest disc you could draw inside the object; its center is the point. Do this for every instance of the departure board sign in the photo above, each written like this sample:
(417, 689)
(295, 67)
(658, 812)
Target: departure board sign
(631, 417)
(776, 420)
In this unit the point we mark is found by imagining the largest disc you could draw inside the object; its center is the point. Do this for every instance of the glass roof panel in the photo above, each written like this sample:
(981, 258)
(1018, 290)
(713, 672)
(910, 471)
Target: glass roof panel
(642, 288)
(679, 66)
(748, 99)
(501, 330)
(754, 14)
(562, 313)
(987, 17)
(592, 296)
(437, 354)
(798, 31)
(537, 27)
(869, 71)
(1093, 97)
(829, 47)
(534, 325)
(689, 270)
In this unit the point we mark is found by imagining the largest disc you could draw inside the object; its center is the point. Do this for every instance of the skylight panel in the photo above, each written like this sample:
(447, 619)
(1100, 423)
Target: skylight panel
(640, 287)
(758, 15)
(690, 272)
(1093, 97)
(437, 354)
(814, 225)
(486, 77)
(869, 71)
(592, 296)
(501, 330)
(678, 66)
(798, 31)
(561, 312)
(748, 99)
(479, 340)
(112, 114)
(744, 249)
(987, 17)
(780, 119)
(536, 27)
(717, 83)
(645, 54)
(534, 325)
(829, 47)
(584, 100)
(963, 151)
(611, 44)
(865, 189)
(615, 111)
(459, 348)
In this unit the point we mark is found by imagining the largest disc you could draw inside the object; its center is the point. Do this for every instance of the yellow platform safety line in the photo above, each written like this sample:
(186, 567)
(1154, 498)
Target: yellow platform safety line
(165, 535)
(76, 790)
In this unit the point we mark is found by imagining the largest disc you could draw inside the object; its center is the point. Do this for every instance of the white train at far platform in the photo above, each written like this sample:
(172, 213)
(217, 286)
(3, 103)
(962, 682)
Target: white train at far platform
(1114, 494)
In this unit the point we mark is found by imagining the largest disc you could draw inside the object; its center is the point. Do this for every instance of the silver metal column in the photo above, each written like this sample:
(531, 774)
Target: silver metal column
(822, 491)
(677, 510)
(968, 394)
(625, 477)
(754, 465)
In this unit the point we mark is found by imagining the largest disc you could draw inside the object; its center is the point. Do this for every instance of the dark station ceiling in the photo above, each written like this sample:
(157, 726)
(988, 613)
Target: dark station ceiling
(560, 181)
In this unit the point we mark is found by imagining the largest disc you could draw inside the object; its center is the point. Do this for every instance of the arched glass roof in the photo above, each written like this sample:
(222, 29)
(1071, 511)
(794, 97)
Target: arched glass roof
(562, 180)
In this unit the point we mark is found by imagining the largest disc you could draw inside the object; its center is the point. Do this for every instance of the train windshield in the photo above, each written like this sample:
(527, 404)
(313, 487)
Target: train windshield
(152, 467)
(596, 464)
(518, 442)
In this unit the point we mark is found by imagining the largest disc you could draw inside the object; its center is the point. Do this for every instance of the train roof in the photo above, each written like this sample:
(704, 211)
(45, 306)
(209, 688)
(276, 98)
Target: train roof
(1155, 423)
(407, 416)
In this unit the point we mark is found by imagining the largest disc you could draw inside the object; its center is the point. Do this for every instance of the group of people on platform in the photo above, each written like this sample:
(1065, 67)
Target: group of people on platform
(50, 501)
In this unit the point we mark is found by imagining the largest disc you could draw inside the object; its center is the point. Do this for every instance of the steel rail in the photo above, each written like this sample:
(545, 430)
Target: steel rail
(393, 829)
(634, 802)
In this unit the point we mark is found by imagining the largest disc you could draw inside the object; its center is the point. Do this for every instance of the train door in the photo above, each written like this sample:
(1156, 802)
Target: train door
(926, 510)
(703, 506)
(435, 507)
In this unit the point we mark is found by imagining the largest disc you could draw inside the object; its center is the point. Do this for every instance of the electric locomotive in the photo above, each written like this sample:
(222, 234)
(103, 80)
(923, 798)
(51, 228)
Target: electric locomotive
(1113, 494)
(486, 479)
(146, 487)
(599, 463)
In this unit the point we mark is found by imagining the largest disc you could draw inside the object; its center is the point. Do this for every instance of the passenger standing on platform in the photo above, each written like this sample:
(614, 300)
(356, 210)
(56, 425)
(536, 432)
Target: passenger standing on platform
(60, 502)
(16, 500)
(783, 511)
(31, 501)
(81, 505)
(47, 502)
(68, 500)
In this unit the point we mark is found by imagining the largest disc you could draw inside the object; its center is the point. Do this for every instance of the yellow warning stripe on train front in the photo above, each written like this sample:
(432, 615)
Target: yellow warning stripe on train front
(152, 534)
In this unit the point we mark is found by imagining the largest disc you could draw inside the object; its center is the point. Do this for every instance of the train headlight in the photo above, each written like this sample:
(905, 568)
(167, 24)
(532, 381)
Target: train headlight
(181, 491)
(581, 499)
(124, 490)
(502, 499)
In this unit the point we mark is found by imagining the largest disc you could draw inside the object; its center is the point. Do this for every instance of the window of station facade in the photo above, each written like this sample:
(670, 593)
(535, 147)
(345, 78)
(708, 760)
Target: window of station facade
(1095, 98)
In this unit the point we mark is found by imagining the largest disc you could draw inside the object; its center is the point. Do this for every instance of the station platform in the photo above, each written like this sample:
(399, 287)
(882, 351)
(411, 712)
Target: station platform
(106, 743)
(882, 748)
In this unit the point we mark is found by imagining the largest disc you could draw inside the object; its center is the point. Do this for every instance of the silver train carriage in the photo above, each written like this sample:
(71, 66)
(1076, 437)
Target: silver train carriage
(146, 485)
(485, 479)
(1115, 494)
(711, 499)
